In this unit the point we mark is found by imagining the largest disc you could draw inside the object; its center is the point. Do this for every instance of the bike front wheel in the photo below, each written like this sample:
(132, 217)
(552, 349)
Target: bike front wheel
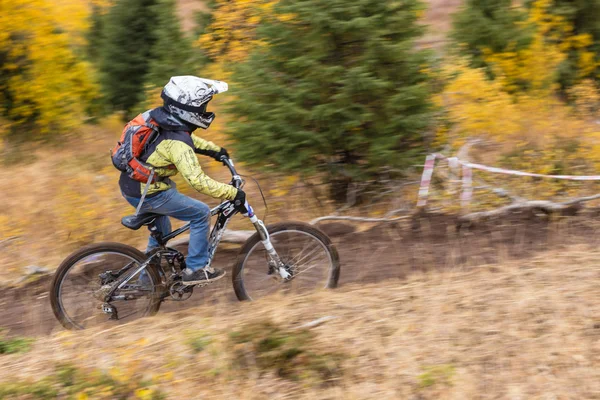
(308, 255)
(80, 282)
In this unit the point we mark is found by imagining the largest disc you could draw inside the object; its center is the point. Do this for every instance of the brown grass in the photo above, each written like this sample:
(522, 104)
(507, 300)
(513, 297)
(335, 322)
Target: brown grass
(528, 329)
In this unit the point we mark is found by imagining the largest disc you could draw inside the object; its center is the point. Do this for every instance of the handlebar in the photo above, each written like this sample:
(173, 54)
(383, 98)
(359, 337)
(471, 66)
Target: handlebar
(236, 181)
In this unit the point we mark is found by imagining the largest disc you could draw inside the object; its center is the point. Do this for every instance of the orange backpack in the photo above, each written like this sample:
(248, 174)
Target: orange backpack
(137, 135)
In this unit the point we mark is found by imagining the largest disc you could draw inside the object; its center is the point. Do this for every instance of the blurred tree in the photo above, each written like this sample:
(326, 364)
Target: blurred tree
(583, 59)
(488, 24)
(95, 33)
(204, 20)
(484, 27)
(333, 90)
(232, 31)
(44, 85)
(129, 35)
(171, 54)
(534, 68)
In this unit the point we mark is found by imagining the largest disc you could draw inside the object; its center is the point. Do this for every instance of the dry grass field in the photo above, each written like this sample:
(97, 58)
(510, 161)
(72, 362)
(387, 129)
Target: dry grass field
(516, 330)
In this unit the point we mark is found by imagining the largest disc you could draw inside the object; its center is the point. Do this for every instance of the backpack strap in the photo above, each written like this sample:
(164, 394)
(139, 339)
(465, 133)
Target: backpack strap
(155, 128)
(152, 126)
(137, 210)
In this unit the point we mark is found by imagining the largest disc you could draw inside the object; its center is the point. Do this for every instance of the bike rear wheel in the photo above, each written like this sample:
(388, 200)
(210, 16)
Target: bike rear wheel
(76, 290)
(308, 254)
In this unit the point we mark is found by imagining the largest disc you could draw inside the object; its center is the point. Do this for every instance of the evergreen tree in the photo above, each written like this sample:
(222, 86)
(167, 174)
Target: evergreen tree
(204, 18)
(488, 24)
(337, 89)
(584, 17)
(203, 21)
(126, 52)
(95, 34)
(171, 54)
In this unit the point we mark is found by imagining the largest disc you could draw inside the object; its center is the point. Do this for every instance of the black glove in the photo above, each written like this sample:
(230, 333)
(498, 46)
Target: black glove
(241, 205)
(221, 153)
(240, 201)
(214, 154)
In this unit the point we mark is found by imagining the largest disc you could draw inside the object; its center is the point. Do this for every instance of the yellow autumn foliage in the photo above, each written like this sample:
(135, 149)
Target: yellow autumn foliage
(44, 83)
(532, 133)
(232, 33)
(518, 116)
(586, 98)
(534, 68)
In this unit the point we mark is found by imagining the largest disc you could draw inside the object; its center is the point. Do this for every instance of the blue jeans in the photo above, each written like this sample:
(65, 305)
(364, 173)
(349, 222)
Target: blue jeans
(171, 203)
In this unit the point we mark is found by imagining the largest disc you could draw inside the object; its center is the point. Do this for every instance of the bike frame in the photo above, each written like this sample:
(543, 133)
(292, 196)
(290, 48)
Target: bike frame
(224, 212)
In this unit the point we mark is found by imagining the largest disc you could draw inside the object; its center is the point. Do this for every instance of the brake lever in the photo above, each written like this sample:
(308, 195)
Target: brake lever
(224, 160)
(237, 182)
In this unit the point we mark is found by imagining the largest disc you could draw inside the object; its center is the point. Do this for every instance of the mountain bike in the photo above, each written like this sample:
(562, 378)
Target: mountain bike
(117, 282)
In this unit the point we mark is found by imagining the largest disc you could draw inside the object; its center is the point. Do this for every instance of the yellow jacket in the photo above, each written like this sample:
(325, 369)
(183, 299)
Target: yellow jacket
(172, 152)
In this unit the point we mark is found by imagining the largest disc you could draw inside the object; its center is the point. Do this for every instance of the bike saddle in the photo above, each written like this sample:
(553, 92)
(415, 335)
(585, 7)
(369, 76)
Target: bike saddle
(135, 222)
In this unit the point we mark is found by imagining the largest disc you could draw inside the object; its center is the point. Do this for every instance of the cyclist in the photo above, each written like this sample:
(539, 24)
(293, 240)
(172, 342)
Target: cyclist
(174, 150)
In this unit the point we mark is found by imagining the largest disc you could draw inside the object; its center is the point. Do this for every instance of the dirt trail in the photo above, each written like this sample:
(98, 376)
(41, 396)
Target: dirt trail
(383, 252)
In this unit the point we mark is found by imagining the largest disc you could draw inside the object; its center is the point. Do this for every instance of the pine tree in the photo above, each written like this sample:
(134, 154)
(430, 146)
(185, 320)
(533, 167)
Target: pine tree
(488, 24)
(126, 52)
(584, 55)
(204, 19)
(171, 54)
(95, 33)
(337, 90)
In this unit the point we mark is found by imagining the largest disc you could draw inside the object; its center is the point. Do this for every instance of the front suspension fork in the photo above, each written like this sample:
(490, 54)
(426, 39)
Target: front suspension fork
(266, 241)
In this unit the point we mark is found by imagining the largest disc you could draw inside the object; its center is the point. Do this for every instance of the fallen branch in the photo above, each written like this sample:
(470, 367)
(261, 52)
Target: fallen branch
(582, 199)
(316, 322)
(7, 241)
(548, 207)
(357, 219)
(240, 237)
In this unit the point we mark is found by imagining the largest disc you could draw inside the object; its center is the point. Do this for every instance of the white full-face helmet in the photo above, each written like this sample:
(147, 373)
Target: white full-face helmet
(187, 98)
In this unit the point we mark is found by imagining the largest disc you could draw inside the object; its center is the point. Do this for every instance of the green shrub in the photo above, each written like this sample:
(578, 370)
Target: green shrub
(198, 341)
(15, 345)
(437, 374)
(75, 383)
(289, 354)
